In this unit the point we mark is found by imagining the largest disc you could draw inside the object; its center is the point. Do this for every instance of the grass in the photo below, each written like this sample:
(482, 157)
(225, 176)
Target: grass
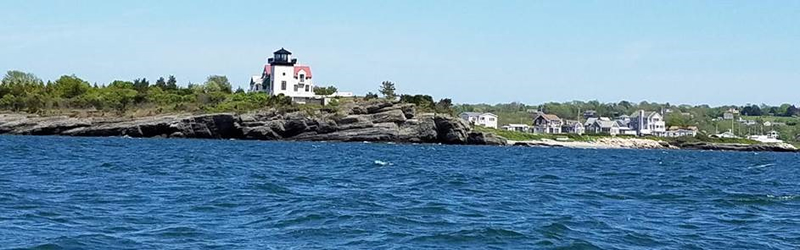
(522, 136)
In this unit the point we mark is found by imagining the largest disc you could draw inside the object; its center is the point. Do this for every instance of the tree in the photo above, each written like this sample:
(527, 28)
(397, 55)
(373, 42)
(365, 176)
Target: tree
(444, 105)
(218, 83)
(424, 102)
(70, 86)
(18, 83)
(370, 95)
(752, 110)
(791, 111)
(172, 83)
(239, 90)
(161, 83)
(330, 90)
(141, 85)
(387, 89)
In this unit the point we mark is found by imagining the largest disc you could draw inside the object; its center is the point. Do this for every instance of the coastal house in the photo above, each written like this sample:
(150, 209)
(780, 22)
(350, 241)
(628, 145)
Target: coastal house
(488, 120)
(573, 127)
(730, 114)
(603, 126)
(518, 127)
(675, 131)
(648, 123)
(726, 134)
(282, 75)
(547, 124)
(770, 137)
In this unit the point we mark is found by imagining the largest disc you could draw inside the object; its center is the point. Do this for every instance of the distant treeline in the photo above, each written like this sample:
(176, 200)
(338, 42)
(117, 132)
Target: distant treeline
(20, 91)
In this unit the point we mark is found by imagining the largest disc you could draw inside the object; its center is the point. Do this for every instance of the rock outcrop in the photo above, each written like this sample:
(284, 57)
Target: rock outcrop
(380, 121)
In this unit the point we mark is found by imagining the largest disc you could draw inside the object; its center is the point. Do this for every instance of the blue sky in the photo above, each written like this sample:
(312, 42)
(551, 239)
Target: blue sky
(695, 52)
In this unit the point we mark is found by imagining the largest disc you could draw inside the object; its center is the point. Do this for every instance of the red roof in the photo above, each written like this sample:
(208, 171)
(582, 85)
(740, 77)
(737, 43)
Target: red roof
(267, 70)
(307, 69)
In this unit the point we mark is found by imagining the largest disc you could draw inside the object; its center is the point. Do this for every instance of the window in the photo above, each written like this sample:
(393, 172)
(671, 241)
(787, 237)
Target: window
(284, 73)
(491, 119)
(307, 88)
(283, 85)
(302, 78)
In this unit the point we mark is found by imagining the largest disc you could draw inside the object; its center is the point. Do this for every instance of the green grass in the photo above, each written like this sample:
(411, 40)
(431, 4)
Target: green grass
(522, 136)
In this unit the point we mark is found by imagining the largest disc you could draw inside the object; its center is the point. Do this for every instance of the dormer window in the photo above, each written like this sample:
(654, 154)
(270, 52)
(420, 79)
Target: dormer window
(302, 78)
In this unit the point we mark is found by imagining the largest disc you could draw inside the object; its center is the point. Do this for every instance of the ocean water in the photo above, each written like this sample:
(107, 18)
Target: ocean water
(117, 193)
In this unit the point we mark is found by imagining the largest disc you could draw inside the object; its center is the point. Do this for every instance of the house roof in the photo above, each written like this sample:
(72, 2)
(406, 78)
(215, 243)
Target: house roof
(267, 70)
(646, 114)
(307, 69)
(255, 79)
(606, 124)
(283, 51)
(477, 114)
(549, 117)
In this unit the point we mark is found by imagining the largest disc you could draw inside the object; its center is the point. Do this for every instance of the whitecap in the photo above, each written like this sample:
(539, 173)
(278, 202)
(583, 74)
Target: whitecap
(762, 166)
(382, 163)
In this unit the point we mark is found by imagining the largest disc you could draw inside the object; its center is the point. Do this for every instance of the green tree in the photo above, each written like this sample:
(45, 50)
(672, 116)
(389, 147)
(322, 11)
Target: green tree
(370, 95)
(70, 86)
(218, 83)
(387, 89)
(172, 83)
(239, 90)
(141, 85)
(161, 83)
(18, 83)
(325, 90)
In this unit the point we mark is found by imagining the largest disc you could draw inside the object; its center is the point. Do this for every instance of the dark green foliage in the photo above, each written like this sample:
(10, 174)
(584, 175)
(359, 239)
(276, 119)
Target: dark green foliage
(172, 83)
(752, 110)
(370, 96)
(387, 89)
(21, 91)
(330, 90)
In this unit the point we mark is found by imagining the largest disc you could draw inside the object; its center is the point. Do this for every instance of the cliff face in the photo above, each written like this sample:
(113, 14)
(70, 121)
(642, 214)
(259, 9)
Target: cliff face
(379, 121)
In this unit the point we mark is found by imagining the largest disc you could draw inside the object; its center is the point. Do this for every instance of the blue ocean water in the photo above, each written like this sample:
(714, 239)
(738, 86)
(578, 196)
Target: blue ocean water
(117, 193)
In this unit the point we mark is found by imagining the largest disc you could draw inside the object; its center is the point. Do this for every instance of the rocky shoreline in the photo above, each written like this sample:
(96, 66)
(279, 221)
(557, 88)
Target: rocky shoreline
(635, 143)
(378, 121)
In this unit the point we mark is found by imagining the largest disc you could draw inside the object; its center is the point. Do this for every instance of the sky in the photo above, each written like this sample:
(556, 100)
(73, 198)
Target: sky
(681, 52)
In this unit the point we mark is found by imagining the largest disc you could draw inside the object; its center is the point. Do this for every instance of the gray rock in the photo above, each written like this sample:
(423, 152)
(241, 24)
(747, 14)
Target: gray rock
(395, 115)
(451, 130)
(481, 138)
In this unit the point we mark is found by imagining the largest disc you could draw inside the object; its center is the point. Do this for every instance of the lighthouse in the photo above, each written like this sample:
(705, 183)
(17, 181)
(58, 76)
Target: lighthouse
(282, 75)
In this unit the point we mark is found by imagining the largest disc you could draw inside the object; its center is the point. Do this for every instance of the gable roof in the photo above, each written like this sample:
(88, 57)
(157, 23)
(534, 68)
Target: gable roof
(605, 124)
(646, 114)
(549, 117)
(307, 69)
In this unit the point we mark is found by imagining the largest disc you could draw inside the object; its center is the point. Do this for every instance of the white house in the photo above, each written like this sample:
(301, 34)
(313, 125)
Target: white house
(648, 123)
(518, 127)
(488, 120)
(675, 131)
(282, 75)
